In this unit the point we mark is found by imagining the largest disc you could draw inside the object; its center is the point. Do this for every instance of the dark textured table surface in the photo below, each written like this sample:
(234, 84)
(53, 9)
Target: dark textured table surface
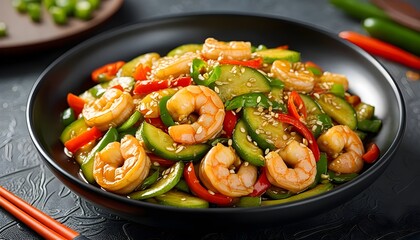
(388, 209)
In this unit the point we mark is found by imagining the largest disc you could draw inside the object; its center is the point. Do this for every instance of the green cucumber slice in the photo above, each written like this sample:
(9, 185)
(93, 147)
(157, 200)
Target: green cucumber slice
(316, 120)
(236, 80)
(273, 54)
(338, 109)
(181, 199)
(190, 47)
(170, 177)
(320, 188)
(161, 144)
(264, 129)
(246, 149)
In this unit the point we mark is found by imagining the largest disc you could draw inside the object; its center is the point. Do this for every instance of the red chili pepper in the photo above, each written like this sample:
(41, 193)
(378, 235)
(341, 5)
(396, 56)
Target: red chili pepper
(148, 86)
(76, 103)
(371, 154)
(229, 123)
(84, 138)
(157, 122)
(261, 185)
(161, 161)
(106, 72)
(302, 129)
(200, 191)
(382, 49)
(253, 63)
(141, 72)
(296, 106)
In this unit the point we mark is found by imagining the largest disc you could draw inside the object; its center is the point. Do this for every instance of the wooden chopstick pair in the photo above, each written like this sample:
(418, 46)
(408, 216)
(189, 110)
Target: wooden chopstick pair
(44, 225)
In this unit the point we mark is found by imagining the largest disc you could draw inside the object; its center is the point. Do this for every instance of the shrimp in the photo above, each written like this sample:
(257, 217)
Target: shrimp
(301, 173)
(217, 172)
(110, 110)
(237, 50)
(121, 167)
(206, 103)
(294, 75)
(328, 79)
(172, 67)
(338, 139)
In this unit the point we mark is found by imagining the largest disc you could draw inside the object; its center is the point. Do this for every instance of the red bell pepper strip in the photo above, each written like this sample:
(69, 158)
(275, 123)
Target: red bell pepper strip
(253, 63)
(84, 138)
(200, 191)
(160, 161)
(76, 103)
(302, 129)
(141, 72)
(296, 106)
(119, 87)
(261, 185)
(181, 82)
(229, 123)
(371, 154)
(106, 72)
(148, 86)
(382, 49)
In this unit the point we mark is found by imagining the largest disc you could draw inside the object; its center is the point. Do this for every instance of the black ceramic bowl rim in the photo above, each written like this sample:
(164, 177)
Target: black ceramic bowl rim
(344, 191)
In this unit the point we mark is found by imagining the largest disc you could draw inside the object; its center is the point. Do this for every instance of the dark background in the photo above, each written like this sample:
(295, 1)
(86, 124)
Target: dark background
(388, 209)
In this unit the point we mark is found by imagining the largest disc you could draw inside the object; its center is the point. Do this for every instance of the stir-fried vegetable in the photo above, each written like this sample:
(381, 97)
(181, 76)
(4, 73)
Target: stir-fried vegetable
(219, 124)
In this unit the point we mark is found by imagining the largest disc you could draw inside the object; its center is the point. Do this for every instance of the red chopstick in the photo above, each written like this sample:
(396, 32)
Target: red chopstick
(383, 49)
(41, 223)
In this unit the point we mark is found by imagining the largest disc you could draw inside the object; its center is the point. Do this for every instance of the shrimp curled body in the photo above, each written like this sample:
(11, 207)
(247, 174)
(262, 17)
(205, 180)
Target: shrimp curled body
(206, 103)
(110, 110)
(295, 179)
(217, 174)
(121, 167)
(294, 75)
(237, 50)
(345, 147)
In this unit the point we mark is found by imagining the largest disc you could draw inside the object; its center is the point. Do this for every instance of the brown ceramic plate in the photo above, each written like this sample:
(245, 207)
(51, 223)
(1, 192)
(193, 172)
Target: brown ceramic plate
(25, 35)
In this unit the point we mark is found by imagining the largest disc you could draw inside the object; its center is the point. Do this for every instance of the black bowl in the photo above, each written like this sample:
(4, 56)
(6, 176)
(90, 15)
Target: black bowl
(70, 73)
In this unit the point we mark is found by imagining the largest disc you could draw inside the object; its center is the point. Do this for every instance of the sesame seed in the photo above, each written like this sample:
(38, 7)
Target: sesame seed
(216, 89)
(200, 130)
(325, 176)
(242, 130)
(230, 142)
(211, 192)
